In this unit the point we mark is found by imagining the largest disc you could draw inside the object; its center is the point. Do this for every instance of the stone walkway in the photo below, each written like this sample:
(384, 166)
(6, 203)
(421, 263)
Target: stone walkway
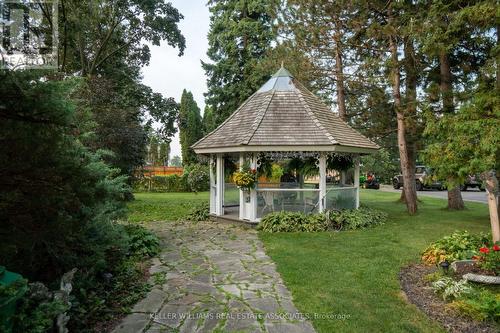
(213, 277)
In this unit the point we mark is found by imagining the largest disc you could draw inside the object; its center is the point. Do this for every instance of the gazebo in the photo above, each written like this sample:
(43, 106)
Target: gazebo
(282, 120)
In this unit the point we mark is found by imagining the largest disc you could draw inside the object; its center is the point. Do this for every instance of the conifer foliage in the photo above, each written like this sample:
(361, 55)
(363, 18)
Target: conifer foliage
(190, 127)
(240, 34)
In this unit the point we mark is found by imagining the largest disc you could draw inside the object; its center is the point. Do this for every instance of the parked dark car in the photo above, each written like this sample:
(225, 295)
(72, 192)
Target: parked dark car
(472, 181)
(423, 180)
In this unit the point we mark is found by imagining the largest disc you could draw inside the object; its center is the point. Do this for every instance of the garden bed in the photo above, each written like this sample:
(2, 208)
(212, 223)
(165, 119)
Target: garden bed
(419, 292)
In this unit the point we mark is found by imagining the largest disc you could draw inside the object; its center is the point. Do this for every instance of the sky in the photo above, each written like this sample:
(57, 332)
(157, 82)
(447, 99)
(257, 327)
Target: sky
(168, 73)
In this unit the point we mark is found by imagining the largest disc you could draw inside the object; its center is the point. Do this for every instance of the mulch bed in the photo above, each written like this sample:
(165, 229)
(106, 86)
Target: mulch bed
(419, 292)
(464, 269)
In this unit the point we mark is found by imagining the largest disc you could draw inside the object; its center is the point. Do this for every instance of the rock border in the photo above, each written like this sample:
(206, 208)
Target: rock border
(479, 278)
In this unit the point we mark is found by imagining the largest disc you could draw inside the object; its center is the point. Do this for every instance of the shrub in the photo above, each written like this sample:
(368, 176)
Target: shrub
(291, 221)
(104, 296)
(143, 243)
(199, 212)
(198, 178)
(432, 277)
(465, 307)
(335, 220)
(451, 289)
(171, 183)
(38, 309)
(458, 246)
(479, 305)
(350, 219)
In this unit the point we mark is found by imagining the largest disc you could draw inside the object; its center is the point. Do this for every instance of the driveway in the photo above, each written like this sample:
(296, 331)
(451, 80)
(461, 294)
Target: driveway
(472, 195)
(213, 277)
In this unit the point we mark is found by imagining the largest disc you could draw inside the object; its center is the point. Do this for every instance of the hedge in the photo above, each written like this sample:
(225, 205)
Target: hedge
(194, 179)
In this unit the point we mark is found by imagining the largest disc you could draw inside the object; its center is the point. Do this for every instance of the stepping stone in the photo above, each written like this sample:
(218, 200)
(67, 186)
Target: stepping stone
(172, 315)
(152, 303)
(136, 322)
(231, 289)
(186, 300)
(301, 327)
(158, 328)
(265, 305)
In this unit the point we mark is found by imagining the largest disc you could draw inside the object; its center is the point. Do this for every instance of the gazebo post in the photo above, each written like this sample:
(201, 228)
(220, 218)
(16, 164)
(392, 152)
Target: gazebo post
(253, 192)
(242, 194)
(356, 179)
(213, 184)
(322, 182)
(219, 198)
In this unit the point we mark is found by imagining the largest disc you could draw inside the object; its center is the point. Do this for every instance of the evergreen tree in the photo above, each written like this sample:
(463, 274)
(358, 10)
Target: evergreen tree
(240, 34)
(457, 39)
(190, 127)
(325, 42)
(208, 121)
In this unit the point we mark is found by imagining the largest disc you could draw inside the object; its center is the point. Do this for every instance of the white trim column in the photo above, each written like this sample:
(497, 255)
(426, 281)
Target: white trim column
(242, 193)
(322, 182)
(253, 193)
(356, 179)
(219, 199)
(213, 186)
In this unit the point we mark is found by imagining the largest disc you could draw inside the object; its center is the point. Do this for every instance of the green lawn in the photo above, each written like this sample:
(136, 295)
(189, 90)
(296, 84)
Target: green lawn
(354, 273)
(149, 207)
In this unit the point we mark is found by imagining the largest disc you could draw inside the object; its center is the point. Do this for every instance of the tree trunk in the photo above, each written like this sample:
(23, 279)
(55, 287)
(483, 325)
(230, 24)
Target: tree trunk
(445, 84)
(491, 183)
(339, 68)
(498, 58)
(455, 200)
(411, 108)
(408, 175)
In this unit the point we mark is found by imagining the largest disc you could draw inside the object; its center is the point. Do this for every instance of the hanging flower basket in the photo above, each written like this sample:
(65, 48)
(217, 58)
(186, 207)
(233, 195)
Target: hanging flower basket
(245, 179)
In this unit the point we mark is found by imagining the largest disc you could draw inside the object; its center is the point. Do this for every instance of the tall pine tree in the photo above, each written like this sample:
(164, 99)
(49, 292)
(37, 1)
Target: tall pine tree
(208, 120)
(241, 33)
(457, 44)
(190, 127)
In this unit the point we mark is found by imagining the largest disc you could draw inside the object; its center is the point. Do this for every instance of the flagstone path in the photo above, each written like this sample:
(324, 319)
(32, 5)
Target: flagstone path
(213, 277)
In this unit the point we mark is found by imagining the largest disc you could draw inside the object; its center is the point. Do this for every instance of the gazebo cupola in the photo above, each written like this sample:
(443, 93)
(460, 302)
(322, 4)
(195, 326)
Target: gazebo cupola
(282, 120)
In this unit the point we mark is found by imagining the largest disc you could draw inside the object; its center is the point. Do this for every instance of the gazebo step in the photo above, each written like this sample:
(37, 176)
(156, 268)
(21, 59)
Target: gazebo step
(231, 219)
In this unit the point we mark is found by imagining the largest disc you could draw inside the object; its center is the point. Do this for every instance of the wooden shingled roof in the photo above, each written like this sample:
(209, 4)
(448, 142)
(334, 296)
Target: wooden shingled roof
(284, 116)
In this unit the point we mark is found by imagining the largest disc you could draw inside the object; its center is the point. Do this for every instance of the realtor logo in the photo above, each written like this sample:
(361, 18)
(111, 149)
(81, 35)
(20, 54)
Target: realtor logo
(28, 34)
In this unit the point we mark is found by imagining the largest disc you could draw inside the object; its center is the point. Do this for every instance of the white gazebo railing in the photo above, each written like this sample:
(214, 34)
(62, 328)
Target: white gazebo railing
(338, 198)
(305, 200)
